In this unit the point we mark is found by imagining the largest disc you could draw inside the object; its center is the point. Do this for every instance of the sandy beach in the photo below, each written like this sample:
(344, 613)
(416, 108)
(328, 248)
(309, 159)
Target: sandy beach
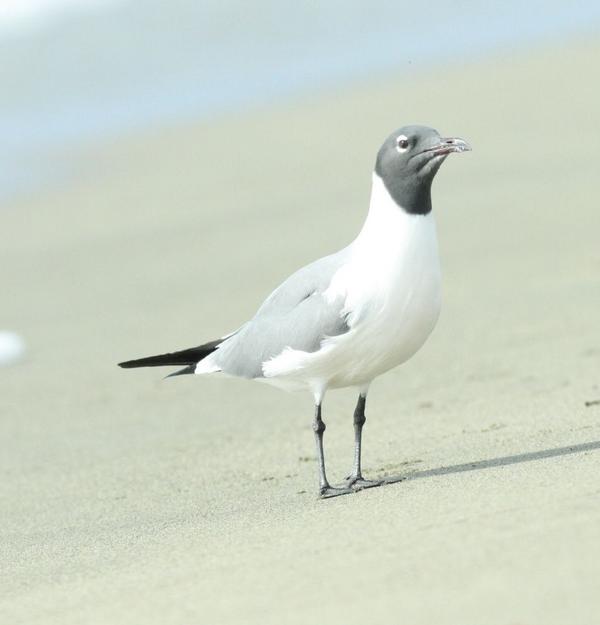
(130, 499)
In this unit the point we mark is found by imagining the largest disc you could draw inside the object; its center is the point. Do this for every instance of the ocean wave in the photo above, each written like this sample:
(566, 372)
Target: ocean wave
(23, 16)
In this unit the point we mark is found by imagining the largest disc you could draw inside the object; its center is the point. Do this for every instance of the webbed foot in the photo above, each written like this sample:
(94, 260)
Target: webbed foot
(360, 483)
(326, 492)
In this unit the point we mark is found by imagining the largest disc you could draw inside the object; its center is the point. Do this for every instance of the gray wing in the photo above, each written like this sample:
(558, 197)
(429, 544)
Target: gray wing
(295, 315)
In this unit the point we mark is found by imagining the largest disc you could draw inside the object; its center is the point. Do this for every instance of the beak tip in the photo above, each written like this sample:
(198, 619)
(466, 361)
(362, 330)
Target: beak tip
(461, 145)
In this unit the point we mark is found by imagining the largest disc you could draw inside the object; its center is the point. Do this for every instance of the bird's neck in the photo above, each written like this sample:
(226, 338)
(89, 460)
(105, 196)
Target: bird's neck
(386, 222)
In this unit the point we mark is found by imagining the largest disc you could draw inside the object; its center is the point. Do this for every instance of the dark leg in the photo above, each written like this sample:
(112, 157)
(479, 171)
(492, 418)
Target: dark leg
(356, 480)
(325, 489)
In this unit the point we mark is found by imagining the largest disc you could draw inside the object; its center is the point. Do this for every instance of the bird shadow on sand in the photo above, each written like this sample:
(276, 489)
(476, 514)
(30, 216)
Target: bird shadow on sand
(491, 463)
(494, 462)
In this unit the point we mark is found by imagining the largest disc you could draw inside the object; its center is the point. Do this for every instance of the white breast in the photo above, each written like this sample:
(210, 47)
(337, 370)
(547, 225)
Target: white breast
(392, 295)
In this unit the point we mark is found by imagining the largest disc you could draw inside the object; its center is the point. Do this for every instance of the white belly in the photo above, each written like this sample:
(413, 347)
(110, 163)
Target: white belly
(395, 305)
(392, 293)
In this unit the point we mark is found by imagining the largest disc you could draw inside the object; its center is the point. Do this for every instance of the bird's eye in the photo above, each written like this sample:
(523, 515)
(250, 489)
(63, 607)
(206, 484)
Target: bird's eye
(402, 143)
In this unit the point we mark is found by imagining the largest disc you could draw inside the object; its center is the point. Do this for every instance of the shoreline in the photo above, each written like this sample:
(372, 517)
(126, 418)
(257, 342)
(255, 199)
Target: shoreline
(57, 166)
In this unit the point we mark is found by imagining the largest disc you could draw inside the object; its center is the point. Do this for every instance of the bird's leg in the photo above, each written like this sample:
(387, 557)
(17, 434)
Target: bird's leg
(355, 479)
(325, 489)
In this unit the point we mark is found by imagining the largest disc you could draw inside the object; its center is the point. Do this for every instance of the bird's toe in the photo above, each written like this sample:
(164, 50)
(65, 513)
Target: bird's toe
(326, 492)
(360, 483)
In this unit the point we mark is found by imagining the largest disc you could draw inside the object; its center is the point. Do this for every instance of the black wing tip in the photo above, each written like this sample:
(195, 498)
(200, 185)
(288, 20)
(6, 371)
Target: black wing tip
(128, 364)
(188, 357)
(132, 364)
(141, 362)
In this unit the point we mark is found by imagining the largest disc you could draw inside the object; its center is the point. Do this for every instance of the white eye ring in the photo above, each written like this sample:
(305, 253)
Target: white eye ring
(402, 143)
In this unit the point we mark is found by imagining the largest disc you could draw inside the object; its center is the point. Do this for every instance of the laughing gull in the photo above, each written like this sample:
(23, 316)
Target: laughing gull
(345, 319)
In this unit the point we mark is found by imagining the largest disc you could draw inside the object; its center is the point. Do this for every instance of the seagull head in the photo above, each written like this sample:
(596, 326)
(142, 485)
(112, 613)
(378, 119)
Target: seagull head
(409, 159)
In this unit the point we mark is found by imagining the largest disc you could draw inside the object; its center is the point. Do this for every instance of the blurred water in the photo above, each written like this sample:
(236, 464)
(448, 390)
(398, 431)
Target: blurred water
(74, 71)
